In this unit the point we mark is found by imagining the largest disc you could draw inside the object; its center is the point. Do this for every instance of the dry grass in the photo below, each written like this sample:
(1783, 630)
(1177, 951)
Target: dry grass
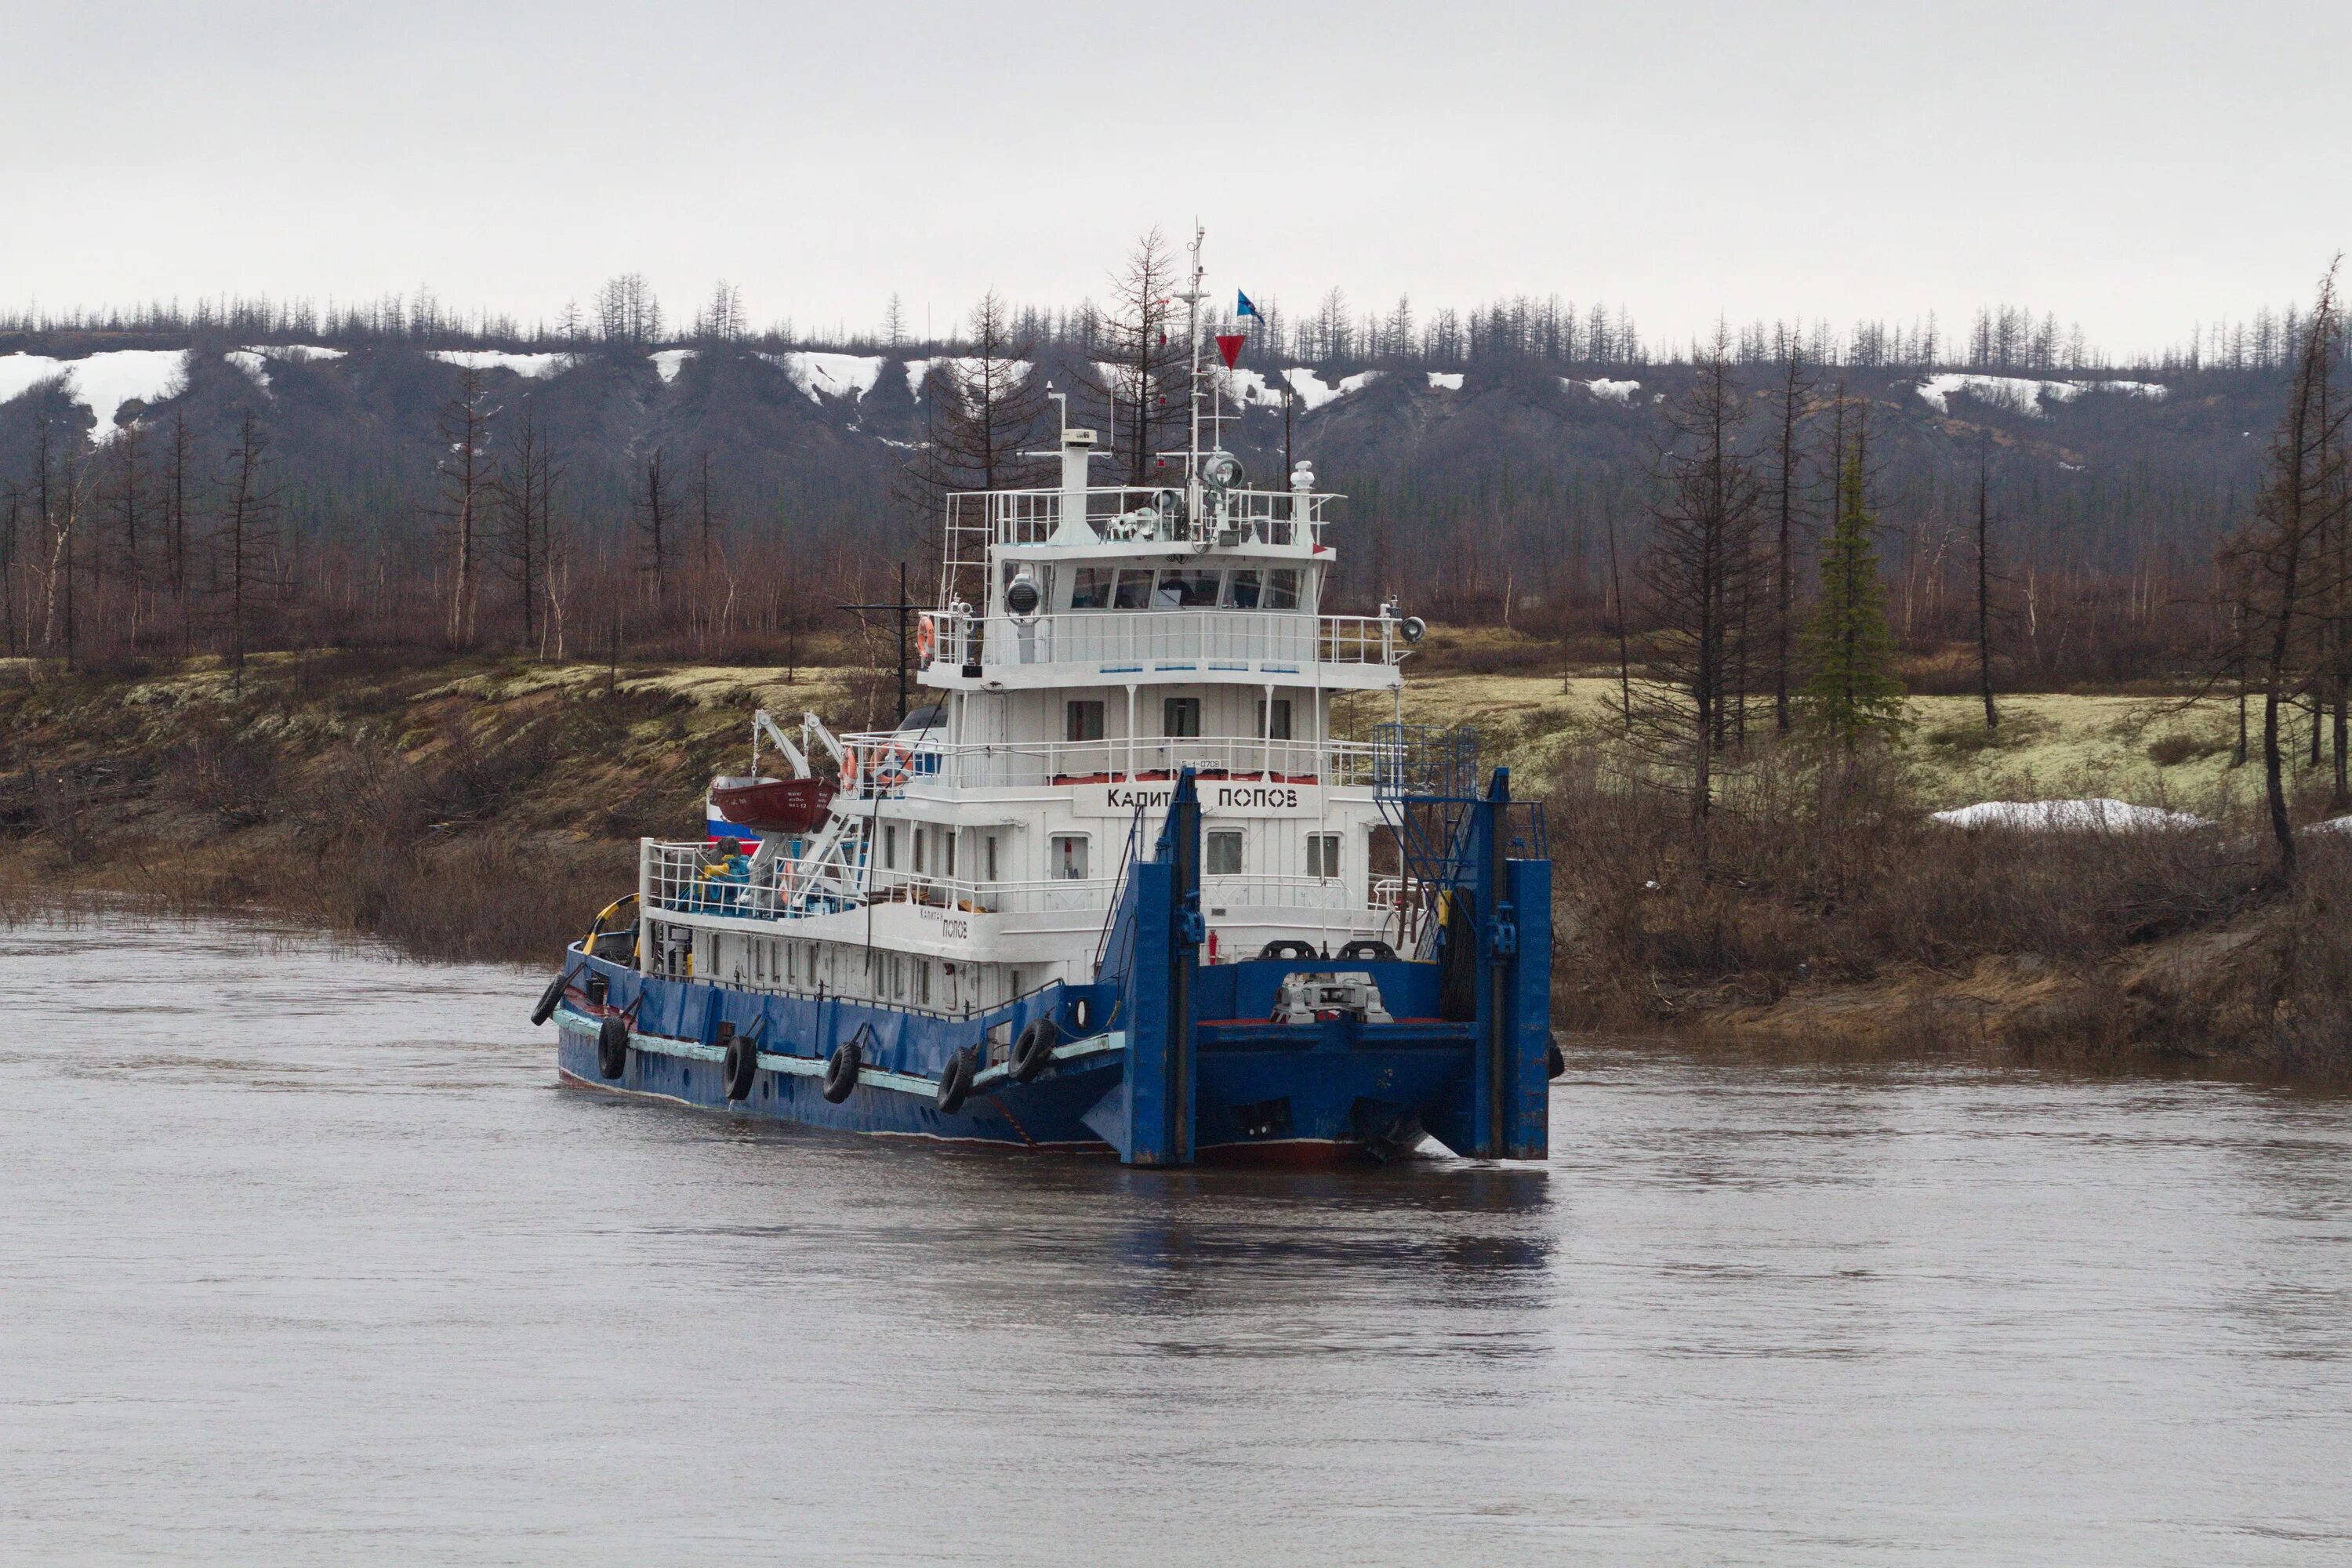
(1823, 898)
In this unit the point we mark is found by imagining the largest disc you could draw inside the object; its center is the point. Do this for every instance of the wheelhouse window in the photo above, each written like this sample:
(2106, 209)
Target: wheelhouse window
(1179, 717)
(1225, 852)
(1323, 855)
(1133, 590)
(1070, 856)
(1082, 721)
(1278, 727)
(1090, 588)
(1243, 590)
(1188, 589)
(1281, 589)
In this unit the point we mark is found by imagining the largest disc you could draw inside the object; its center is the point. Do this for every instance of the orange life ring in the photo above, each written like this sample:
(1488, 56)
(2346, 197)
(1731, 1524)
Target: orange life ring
(927, 638)
(891, 769)
(849, 770)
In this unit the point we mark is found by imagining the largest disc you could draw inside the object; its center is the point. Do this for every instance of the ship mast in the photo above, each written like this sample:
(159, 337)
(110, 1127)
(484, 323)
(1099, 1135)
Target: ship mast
(1193, 298)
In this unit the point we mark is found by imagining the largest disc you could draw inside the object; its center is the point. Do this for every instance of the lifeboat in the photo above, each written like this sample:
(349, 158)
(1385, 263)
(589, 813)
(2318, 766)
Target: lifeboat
(789, 806)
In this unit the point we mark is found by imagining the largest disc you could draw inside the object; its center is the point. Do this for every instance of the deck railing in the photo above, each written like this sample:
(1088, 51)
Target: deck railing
(692, 879)
(1141, 513)
(1261, 641)
(882, 764)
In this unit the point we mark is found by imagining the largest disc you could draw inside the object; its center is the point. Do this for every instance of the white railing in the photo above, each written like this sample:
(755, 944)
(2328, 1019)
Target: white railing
(883, 764)
(1145, 514)
(1140, 639)
(694, 879)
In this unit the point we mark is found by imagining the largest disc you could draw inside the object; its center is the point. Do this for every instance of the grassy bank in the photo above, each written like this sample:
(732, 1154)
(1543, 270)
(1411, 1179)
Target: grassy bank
(485, 809)
(467, 810)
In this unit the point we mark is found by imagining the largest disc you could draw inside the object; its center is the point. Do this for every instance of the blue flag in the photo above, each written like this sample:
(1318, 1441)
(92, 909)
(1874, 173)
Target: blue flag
(1244, 307)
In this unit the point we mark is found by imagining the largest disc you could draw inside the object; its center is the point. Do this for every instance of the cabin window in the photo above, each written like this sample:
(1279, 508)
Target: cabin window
(1090, 588)
(897, 977)
(919, 835)
(889, 845)
(793, 962)
(1187, 588)
(1082, 721)
(1323, 855)
(1225, 852)
(988, 857)
(1134, 590)
(1180, 716)
(1279, 729)
(1070, 856)
(1242, 591)
(923, 983)
(1282, 589)
(947, 846)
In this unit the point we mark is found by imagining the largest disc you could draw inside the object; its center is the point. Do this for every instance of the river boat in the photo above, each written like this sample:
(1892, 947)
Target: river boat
(1119, 884)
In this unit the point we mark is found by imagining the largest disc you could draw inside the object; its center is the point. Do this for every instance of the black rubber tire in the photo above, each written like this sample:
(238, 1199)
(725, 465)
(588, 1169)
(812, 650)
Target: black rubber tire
(1555, 1064)
(742, 1066)
(955, 1082)
(548, 998)
(1368, 947)
(1034, 1051)
(613, 1048)
(841, 1071)
(1287, 947)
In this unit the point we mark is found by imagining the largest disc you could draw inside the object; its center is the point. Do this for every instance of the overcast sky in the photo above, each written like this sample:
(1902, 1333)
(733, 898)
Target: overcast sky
(2133, 166)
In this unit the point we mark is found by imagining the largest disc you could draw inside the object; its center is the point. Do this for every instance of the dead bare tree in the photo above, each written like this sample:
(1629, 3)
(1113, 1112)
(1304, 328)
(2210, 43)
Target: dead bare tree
(1984, 580)
(245, 511)
(1142, 386)
(1787, 480)
(526, 491)
(467, 475)
(1699, 562)
(2288, 575)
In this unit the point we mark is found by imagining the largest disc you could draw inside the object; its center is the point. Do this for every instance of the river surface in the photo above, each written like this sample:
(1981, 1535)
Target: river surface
(305, 1257)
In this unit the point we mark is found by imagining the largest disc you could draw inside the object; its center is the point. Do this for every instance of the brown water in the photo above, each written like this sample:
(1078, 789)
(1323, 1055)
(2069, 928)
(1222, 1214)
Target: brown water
(306, 1258)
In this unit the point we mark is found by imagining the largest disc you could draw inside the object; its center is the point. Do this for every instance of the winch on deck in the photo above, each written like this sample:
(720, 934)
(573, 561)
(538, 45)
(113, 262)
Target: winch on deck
(1315, 998)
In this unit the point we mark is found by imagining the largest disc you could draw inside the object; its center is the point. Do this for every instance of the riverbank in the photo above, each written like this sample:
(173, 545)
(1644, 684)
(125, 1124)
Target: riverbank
(485, 809)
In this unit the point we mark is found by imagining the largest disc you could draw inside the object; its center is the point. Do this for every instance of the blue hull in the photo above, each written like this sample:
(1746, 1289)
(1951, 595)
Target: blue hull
(1303, 1092)
(1160, 1059)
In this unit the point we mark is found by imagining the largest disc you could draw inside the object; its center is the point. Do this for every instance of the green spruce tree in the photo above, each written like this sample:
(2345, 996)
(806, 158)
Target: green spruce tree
(1852, 692)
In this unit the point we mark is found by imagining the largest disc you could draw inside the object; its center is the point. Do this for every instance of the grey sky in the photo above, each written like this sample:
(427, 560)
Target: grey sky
(2134, 166)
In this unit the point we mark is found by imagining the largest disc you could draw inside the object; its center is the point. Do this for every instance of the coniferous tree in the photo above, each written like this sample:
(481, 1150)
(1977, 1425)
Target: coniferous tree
(1851, 691)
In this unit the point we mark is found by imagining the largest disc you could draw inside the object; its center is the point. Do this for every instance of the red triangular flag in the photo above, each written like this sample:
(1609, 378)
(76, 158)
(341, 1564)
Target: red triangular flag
(1229, 345)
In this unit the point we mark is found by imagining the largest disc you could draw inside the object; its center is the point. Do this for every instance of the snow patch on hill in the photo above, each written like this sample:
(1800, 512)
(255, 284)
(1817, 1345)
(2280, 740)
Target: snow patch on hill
(2025, 394)
(822, 375)
(2098, 815)
(1445, 381)
(1313, 392)
(967, 368)
(667, 362)
(530, 367)
(101, 382)
(1608, 391)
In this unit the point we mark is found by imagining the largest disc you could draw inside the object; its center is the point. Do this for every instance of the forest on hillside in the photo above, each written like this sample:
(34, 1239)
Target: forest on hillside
(236, 475)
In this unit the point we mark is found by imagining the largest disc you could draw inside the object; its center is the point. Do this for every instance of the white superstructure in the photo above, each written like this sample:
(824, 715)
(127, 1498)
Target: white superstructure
(1086, 644)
